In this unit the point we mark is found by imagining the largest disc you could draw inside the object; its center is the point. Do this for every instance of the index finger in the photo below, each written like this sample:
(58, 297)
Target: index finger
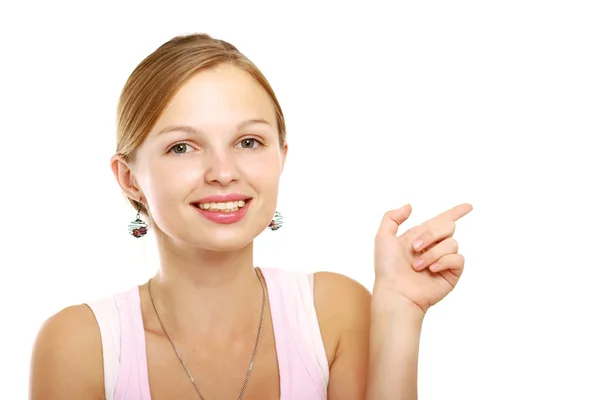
(456, 213)
(438, 227)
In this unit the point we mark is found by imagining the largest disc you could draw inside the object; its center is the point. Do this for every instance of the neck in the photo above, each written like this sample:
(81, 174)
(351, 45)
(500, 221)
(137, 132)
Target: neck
(207, 293)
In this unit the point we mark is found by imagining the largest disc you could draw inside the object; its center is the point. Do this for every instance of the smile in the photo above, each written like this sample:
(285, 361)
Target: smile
(224, 212)
(229, 206)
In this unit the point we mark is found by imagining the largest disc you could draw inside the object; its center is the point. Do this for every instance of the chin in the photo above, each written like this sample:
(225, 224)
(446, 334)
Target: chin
(224, 243)
(224, 238)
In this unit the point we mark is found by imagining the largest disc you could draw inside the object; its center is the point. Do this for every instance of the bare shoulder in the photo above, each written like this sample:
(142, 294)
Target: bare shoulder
(339, 292)
(341, 302)
(344, 311)
(67, 357)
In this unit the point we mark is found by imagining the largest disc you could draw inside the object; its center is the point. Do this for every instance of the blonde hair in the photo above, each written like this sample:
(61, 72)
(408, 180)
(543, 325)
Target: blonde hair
(156, 80)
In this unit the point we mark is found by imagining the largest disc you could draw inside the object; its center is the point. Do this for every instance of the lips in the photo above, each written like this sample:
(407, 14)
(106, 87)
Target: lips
(224, 213)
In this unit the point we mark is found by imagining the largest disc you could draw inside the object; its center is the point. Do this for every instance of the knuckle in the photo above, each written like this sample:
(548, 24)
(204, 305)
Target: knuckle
(413, 233)
(451, 228)
(453, 244)
(436, 232)
(428, 232)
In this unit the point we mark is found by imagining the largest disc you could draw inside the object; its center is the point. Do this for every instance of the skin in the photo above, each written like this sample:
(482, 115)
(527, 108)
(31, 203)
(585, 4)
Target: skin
(211, 264)
(403, 292)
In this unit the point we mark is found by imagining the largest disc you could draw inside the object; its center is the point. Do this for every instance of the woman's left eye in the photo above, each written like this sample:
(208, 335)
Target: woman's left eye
(249, 143)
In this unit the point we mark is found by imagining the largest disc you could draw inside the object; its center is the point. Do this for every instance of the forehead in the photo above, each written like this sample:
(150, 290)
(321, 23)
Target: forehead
(219, 97)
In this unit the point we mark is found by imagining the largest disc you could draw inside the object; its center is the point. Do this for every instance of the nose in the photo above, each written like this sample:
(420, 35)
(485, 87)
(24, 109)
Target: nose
(221, 168)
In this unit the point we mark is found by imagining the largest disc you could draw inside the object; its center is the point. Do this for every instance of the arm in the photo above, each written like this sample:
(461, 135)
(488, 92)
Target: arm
(67, 357)
(378, 339)
(343, 309)
(403, 292)
(394, 347)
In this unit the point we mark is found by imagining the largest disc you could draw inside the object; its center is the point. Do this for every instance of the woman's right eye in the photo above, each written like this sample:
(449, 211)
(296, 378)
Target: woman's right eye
(180, 148)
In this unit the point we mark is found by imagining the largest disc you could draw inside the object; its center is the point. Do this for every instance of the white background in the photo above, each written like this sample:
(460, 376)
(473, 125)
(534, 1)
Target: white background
(433, 103)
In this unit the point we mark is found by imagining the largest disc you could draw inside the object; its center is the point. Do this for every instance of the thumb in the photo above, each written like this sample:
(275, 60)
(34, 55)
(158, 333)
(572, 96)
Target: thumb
(393, 219)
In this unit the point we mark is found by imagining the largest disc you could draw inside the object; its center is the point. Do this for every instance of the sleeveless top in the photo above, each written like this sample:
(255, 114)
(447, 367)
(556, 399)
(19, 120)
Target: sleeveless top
(303, 365)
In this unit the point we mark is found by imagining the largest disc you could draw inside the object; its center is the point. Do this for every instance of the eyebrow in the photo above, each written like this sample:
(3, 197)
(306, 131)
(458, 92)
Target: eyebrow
(194, 131)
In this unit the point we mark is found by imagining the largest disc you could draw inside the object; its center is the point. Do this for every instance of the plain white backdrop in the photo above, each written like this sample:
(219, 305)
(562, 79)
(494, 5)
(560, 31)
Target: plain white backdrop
(430, 103)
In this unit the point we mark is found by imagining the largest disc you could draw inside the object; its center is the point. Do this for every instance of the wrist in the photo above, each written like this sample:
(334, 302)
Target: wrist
(387, 300)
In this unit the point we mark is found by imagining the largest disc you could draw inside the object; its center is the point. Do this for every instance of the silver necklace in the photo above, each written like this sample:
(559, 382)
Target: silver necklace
(189, 374)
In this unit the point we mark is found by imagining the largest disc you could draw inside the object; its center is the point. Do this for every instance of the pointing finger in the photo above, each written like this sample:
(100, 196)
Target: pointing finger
(457, 212)
(453, 214)
(439, 227)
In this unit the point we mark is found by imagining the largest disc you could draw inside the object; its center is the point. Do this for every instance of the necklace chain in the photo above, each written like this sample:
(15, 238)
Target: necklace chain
(185, 367)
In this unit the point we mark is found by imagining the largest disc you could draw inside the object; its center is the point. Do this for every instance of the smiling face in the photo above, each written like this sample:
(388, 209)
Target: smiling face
(217, 137)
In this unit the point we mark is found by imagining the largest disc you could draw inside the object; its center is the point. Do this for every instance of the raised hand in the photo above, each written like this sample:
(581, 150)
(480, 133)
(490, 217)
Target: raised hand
(422, 265)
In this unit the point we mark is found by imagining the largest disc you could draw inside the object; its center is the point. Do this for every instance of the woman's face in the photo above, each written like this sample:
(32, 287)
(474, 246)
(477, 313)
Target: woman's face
(209, 169)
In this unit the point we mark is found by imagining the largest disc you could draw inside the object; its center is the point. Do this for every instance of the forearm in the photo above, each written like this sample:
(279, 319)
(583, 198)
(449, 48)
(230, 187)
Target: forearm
(394, 347)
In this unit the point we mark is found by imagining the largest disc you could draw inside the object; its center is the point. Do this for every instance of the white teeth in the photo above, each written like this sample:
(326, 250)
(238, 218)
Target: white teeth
(229, 206)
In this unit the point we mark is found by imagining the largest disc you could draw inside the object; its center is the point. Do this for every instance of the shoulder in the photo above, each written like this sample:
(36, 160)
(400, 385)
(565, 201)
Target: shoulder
(344, 311)
(333, 292)
(343, 307)
(67, 357)
(341, 295)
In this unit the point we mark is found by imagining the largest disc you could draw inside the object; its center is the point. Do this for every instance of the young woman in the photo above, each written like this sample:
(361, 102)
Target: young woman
(201, 144)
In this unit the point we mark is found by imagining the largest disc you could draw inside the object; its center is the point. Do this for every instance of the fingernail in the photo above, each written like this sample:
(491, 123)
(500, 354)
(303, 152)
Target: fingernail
(418, 244)
(435, 266)
(419, 263)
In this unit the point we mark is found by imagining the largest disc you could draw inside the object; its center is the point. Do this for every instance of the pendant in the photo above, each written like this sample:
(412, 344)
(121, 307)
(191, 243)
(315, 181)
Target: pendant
(138, 228)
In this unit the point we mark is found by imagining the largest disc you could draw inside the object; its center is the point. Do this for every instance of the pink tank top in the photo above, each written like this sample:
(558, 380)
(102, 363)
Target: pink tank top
(303, 365)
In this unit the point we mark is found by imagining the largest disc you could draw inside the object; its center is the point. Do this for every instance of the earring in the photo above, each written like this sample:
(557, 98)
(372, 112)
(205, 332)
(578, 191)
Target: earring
(276, 222)
(138, 228)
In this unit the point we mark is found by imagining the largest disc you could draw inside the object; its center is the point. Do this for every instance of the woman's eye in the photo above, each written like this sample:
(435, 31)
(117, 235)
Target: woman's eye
(180, 148)
(249, 143)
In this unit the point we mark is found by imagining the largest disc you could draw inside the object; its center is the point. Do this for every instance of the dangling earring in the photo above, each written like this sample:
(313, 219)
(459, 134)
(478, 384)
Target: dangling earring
(276, 222)
(138, 228)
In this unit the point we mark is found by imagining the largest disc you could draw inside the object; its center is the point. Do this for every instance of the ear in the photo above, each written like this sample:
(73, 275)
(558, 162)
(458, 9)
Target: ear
(124, 176)
(284, 152)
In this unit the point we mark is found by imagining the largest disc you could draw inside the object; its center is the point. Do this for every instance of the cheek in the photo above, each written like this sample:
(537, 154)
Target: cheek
(264, 173)
(171, 181)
